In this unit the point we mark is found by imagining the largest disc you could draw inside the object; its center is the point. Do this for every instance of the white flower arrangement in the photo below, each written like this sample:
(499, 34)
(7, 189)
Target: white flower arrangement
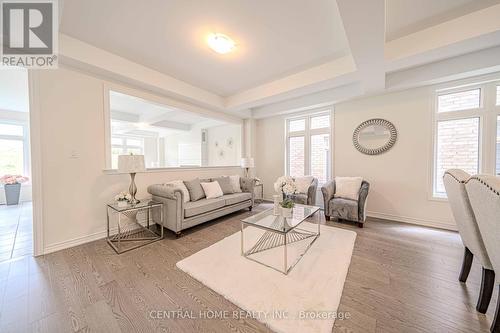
(123, 196)
(285, 185)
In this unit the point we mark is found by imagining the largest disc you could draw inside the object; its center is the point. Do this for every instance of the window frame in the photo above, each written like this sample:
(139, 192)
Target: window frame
(307, 133)
(486, 113)
(25, 138)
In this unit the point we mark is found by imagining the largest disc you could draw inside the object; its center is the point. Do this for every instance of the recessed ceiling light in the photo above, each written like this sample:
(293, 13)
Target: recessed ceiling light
(220, 43)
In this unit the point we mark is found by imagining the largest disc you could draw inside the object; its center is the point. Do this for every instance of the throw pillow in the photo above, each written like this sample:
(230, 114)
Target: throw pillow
(212, 190)
(303, 183)
(225, 184)
(180, 185)
(235, 181)
(347, 187)
(195, 189)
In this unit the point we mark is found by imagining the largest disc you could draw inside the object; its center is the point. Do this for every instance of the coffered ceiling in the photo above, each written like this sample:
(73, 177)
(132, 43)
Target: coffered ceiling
(288, 52)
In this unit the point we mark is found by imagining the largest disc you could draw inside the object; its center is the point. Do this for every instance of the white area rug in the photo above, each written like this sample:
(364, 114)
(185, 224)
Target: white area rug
(285, 303)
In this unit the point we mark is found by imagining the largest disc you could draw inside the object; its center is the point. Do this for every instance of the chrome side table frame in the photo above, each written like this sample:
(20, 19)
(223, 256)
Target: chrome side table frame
(134, 231)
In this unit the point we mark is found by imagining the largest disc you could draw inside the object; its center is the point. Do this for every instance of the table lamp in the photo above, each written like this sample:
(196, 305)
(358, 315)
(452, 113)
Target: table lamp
(131, 164)
(247, 163)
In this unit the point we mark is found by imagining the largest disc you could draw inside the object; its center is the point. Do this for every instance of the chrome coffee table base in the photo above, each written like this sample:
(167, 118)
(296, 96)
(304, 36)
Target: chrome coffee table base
(279, 234)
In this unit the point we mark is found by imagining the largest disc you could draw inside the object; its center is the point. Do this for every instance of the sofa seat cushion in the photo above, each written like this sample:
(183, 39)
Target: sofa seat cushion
(343, 209)
(193, 208)
(235, 198)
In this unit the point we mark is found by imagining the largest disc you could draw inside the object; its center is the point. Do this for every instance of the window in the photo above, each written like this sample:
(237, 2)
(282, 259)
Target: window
(308, 146)
(463, 100)
(464, 123)
(457, 147)
(14, 148)
(169, 137)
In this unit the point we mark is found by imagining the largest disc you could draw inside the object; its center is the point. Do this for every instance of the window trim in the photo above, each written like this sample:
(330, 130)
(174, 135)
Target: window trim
(307, 134)
(487, 125)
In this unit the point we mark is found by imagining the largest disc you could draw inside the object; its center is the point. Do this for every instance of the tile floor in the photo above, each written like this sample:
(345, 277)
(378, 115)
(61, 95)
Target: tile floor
(16, 231)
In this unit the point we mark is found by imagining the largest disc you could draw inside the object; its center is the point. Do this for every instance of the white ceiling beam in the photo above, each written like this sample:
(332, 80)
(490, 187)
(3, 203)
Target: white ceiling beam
(331, 74)
(309, 102)
(473, 25)
(464, 66)
(172, 125)
(82, 55)
(364, 25)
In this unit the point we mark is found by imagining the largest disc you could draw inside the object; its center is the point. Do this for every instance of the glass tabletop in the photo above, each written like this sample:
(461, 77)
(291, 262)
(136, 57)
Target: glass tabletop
(143, 204)
(268, 220)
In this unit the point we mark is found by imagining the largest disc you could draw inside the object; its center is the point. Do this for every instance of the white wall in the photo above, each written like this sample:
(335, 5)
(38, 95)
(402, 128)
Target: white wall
(399, 178)
(76, 189)
(220, 151)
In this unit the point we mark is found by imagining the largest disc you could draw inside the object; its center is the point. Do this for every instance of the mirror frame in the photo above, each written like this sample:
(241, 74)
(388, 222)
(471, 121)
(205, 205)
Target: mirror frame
(375, 151)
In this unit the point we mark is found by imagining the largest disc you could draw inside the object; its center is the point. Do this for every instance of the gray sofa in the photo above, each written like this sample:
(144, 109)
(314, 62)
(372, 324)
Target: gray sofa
(345, 209)
(308, 198)
(180, 215)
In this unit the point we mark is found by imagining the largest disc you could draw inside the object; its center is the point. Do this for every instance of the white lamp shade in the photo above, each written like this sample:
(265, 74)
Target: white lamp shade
(247, 162)
(131, 163)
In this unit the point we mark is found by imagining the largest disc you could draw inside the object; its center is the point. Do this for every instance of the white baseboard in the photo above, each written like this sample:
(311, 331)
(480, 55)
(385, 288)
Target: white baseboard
(74, 242)
(81, 240)
(414, 220)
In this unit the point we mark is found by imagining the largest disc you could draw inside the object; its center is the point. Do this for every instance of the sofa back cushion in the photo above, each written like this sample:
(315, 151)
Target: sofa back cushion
(347, 187)
(225, 184)
(235, 182)
(195, 190)
(212, 190)
(180, 185)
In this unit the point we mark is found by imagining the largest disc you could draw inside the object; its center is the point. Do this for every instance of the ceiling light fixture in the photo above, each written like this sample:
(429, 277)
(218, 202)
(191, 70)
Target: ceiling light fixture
(220, 43)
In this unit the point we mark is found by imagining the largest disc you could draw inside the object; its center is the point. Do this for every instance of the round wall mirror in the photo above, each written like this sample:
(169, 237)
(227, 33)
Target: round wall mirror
(374, 136)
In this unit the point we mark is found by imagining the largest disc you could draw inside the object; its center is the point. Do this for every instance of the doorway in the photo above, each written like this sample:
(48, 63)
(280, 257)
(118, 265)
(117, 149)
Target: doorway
(16, 213)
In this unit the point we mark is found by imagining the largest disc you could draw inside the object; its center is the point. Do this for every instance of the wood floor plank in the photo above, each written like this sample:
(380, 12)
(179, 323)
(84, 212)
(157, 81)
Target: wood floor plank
(402, 278)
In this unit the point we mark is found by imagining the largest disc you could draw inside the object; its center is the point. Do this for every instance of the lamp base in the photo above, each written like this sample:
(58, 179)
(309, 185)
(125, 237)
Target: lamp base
(133, 190)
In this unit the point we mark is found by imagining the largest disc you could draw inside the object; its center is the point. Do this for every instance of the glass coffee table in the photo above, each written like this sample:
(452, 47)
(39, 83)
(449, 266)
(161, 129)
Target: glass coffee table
(280, 232)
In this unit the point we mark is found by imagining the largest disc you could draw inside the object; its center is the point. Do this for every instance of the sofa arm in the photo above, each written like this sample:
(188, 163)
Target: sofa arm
(311, 192)
(173, 205)
(363, 195)
(328, 191)
(248, 185)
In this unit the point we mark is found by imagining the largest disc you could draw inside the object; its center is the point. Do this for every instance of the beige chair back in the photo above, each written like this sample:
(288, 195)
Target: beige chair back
(484, 196)
(454, 182)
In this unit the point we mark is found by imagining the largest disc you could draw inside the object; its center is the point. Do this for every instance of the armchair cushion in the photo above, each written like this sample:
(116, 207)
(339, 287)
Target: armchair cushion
(348, 187)
(303, 183)
(299, 198)
(345, 209)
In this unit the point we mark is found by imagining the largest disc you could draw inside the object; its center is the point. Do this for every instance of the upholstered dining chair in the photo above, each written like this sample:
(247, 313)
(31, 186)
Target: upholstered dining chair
(484, 196)
(454, 182)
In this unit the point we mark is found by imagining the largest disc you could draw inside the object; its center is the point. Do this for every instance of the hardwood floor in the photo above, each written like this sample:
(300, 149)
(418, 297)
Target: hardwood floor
(402, 278)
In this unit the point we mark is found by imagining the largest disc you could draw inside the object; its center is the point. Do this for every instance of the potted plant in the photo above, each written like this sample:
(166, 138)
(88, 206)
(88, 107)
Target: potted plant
(12, 187)
(287, 208)
(285, 185)
(123, 199)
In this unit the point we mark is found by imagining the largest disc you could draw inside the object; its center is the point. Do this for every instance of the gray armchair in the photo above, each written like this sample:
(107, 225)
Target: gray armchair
(308, 198)
(345, 209)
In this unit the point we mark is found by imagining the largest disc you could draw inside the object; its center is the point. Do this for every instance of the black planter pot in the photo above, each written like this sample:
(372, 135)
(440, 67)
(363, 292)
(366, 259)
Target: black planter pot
(12, 193)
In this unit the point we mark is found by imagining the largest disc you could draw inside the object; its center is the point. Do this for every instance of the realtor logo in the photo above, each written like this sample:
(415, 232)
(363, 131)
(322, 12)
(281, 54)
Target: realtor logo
(29, 33)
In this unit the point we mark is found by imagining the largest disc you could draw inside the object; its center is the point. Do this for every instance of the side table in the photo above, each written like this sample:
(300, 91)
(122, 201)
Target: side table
(135, 225)
(259, 199)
